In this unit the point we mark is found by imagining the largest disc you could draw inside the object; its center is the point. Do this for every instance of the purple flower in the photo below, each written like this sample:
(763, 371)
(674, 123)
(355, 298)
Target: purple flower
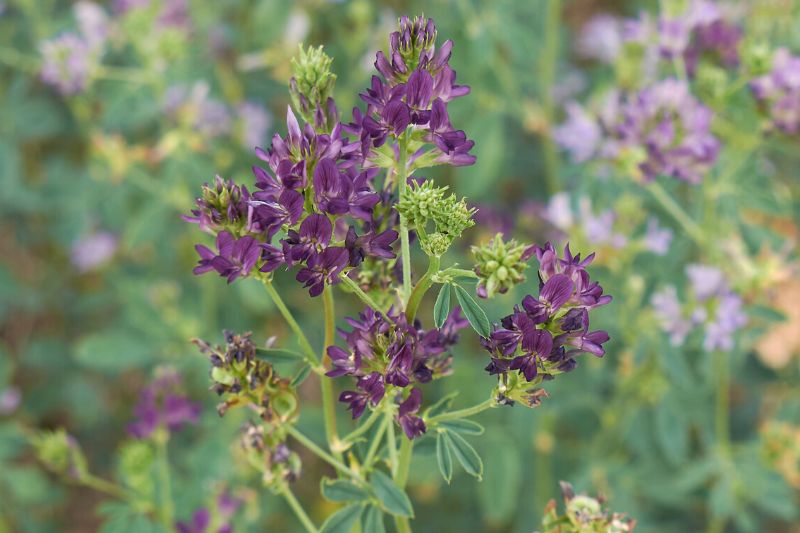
(161, 405)
(221, 205)
(670, 312)
(323, 268)
(370, 390)
(68, 63)
(779, 92)
(536, 344)
(200, 522)
(580, 134)
(601, 38)
(235, 257)
(412, 425)
(657, 239)
(93, 251)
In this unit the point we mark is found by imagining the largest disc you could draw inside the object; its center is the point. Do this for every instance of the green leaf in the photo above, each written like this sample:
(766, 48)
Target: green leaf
(466, 455)
(442, 306)
(767, 314)
(372, 520)
(301, 375)
(341, 490)
(461, 425)
(343, 520)
(672, 431)
(122, 518)
(443, 456)
(112, 351)
(474, 312)
(392, 497)
(278, 355)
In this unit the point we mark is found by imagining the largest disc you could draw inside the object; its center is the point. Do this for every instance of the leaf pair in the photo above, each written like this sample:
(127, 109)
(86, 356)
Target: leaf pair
(382, 495)
(472, 310)
(450, 444)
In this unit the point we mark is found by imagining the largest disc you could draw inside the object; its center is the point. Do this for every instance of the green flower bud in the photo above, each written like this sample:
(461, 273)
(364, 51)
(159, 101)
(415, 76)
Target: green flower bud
(436, 244)
(312, 83)
(757, 58)
(136, 463)
(61, 453)
(500, 265)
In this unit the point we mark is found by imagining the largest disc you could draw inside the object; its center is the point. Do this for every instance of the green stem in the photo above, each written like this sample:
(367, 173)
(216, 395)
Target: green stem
(301, 514)
(363, 428)
(463, 413)
(166, 507)
(458, 273)
(405, 246)
(311, 356)
(548, 78)
(376, 441)
(326, 384)
(391, 442)
(681, 217)
(112, 489)
(319, 452)
(401, 477)
(421, 288)
(363, 296)
(722, 407)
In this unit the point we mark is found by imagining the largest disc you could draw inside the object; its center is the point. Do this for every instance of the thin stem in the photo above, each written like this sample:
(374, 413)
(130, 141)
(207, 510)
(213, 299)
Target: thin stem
(166, 508)
(548, 76)
(458, 273)
(677, 212)
(421, 288)
(402, 525)
(328, 405)
(107, 487)
(722, 410)
(363, 296)
(391, 442)
(401, 477)
(363, 428)
(376, 441)
(301, 514)
(464, 413)
(405, 246)
(319, 452)
(311, 356)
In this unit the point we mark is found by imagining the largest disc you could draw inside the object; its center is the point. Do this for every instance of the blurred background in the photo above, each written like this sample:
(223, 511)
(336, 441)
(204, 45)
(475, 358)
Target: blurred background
(113, 114)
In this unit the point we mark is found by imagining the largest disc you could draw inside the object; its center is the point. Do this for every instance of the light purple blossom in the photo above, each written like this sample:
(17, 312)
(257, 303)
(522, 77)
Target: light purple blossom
(601, 38)
(669, 310)
(10, 400)
(706, 281)
(93, 250)
(68, 63)
(599, 228)
(92, 21)
(656, 238)
(779, 91)
(580, 134)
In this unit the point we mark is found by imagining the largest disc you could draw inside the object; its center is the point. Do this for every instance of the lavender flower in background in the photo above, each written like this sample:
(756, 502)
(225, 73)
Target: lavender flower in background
(196, 108)
(601, 38)
(713, 306)
(255, 122)
(173, 14)
(10, 400)
(204, 521)
(93, 23)
(68, 63)
(656, 238)
(580, 134)
(778, 92)
(92, 251)
(162, 405)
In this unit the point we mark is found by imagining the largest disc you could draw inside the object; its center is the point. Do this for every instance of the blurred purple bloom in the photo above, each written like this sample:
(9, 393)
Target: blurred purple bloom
(601, 38)
(10, 400)
(669, 311)
(162, 405)
(728, 320)
(201, 520)
(706, 281)
(68, 62)
(255, 123)
(779, 91)
(172, 14)
(580, 134)
(93, 250)
(92, 21)
(656, 238)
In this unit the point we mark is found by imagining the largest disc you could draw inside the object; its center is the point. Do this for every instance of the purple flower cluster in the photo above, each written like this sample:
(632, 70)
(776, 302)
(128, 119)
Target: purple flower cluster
(204, 521)
(386, 353)
(661, 130)
(779, 91)
(417, 84)
(69, 61)
(714, 306)
(161, 405)
(542, 336)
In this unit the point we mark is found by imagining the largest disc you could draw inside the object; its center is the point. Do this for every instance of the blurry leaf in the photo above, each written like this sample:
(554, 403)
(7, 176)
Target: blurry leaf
(343, 520)
(278, 355)
(147, 225)
(29, 484)
(342, 490)
(474, 312)
(466, 455)
(766, 313)
(372, 520)
(112, 351)
(671, 431)
(393, 498)
(122, 518)
(499, 492)
(301, 375)
(461, 425)
(722, 500)
(443, 456)
(441, 308)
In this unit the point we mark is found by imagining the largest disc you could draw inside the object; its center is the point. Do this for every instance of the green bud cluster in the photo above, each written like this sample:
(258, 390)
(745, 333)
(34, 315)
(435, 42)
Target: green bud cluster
(583, 514)
(312, 82)
(423, 204)
(500, 265)
(136, 464)
(242, 379)
(61, 453)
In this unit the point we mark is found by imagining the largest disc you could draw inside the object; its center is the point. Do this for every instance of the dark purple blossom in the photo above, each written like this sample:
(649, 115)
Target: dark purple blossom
(413, 426)
(162, 405)
(235, 257)
(322, 268)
